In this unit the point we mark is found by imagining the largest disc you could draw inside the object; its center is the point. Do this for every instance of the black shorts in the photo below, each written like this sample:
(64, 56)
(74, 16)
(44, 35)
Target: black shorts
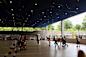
(12, 48)
(78, 42)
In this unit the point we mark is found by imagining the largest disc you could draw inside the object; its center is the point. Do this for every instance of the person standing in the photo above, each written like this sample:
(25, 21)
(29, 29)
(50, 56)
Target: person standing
(38, 39)
(55, 41)
(48, 38)
(78, 41)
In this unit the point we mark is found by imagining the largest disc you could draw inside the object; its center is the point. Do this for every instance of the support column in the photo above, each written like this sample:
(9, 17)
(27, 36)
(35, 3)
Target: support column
(62, 28)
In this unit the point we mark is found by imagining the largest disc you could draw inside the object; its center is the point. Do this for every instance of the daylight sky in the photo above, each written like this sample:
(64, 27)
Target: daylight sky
(77, 19)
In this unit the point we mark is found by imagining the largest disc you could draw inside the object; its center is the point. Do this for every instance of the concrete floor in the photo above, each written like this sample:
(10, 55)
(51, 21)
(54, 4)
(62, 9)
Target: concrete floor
(43, 50)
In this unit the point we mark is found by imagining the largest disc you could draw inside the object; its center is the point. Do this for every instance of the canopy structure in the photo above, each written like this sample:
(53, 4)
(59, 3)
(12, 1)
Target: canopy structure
(37, 13)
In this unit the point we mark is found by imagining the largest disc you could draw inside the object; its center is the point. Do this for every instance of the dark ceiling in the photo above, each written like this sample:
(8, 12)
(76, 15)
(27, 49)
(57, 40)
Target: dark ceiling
(37, 13)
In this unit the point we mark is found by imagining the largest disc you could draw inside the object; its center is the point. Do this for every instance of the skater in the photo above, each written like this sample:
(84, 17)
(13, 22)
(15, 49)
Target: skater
(77, 41)
(55, 41)
(12, 50)
(22, 43)
(37, 39)
(64, 42)
(48, 38)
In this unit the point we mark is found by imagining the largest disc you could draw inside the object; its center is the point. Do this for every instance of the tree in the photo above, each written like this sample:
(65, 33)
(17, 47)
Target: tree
(50, 27)
(84, 24)
(78, 27)
(67, 24)
(59, 26)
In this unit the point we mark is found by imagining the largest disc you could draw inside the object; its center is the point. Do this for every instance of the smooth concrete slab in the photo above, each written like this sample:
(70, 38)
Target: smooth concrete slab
(43, 49)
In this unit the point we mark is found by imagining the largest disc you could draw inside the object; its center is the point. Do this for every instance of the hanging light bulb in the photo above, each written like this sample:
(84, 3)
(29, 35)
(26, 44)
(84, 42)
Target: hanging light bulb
(53, 3)
(13, 17)
(11, 9)
(22, 6)
(23, 24)
(29, 15)
(58, 17)
(0, 19)
(78, 0)
(59, 6)
(25, 20)
(10, 2)
(44, 16)
(12, 14)
(36, 4)
(0, 2)
(48, 21)
(50, 11)
(41, 19)
(65, 13)
(32, 11)
(43, 12)
(37, 21)
(77, 8)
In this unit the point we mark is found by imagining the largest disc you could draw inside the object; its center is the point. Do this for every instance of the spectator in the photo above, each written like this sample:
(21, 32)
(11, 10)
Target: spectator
(81, 54)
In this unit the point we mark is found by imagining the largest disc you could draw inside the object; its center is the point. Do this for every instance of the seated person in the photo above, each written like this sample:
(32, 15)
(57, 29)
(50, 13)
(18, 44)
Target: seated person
(81, 54)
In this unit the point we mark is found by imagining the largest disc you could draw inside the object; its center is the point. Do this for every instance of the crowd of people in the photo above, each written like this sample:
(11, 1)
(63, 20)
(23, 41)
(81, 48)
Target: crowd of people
(63, 41)
(18, 44)
(80, 53)
(56, 40)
